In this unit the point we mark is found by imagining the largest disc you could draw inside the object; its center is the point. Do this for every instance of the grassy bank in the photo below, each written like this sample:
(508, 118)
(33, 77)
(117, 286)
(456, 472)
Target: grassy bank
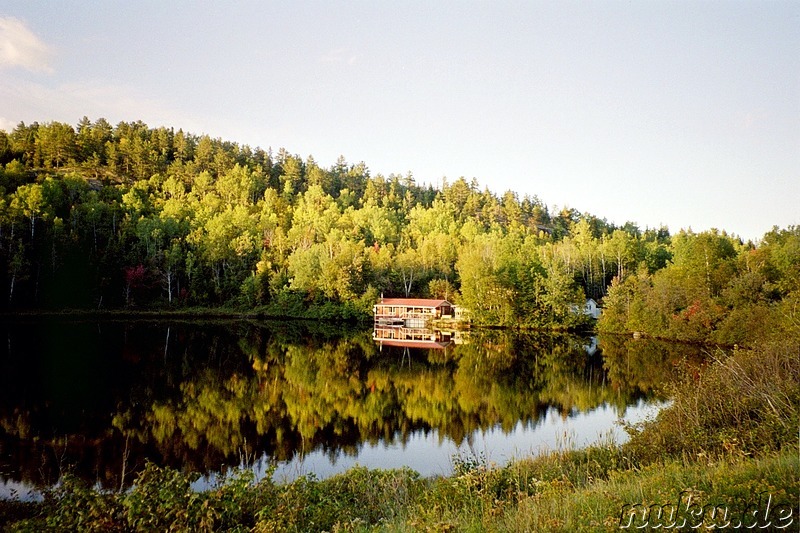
(728, 441)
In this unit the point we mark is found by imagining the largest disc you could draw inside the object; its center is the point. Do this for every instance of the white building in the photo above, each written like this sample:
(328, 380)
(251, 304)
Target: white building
(592, 309)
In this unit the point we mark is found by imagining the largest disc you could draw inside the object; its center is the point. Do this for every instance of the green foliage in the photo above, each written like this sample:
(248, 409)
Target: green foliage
(74, 506)
(561, 491)
(218, 224)
(599, 505)
(442, 289)
(359, 497)
(162, 499)
(713, 290)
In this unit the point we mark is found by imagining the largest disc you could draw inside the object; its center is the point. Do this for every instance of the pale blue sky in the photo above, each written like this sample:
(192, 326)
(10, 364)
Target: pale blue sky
(678, 113)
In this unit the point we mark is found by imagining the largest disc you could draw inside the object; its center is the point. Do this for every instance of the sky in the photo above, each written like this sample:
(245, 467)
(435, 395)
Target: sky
(676, 113)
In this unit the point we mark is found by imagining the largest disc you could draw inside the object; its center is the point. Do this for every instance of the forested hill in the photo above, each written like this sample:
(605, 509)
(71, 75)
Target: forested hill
(108, 217)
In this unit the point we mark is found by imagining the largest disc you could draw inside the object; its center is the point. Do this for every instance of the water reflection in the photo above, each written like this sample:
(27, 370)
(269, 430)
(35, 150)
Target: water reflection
(102, 398)
(429, 453)
(404, 337)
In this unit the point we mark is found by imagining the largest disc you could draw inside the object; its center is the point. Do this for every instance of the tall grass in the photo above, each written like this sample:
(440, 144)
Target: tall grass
(744, 404)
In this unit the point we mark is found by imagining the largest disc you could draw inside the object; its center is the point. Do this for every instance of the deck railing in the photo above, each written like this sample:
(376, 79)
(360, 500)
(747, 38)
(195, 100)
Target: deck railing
(405, 313)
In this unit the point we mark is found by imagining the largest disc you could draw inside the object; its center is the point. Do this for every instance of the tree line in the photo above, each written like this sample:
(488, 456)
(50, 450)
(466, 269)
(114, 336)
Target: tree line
(127, 216)
(714, 289)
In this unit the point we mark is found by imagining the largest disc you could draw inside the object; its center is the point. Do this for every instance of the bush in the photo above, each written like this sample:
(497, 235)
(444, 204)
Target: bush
(162, 499)
(73, 506)
(356, 497)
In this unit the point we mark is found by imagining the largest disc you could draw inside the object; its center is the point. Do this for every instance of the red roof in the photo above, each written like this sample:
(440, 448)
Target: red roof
(414, 302)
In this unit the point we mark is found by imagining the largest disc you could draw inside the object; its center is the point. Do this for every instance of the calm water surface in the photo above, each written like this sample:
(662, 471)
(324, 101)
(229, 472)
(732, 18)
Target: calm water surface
(103, 397)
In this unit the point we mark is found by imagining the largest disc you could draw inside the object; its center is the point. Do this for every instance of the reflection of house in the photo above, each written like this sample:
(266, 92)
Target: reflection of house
(411, 337)
(591, 348)
(411, 312)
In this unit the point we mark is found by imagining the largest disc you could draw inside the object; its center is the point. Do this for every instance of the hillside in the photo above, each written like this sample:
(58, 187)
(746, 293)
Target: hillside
(102, 217)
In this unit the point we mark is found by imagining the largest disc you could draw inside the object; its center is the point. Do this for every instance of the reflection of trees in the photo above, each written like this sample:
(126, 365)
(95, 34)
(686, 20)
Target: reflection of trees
(200, 397)
(644, 365)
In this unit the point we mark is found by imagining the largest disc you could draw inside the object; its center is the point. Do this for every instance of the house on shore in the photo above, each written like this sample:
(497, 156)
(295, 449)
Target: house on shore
(411, 312)
(589, 308)
(592, 309)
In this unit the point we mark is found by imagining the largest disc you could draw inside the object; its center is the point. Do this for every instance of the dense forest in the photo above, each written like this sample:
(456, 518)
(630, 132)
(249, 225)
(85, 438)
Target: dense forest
(99, 217)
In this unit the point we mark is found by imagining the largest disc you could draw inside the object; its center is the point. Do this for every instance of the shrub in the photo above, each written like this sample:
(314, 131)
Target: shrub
(356, 497)
(74, 506)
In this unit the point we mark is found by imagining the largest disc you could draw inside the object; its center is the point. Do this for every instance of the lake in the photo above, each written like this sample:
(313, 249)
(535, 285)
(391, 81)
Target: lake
(102, 397)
